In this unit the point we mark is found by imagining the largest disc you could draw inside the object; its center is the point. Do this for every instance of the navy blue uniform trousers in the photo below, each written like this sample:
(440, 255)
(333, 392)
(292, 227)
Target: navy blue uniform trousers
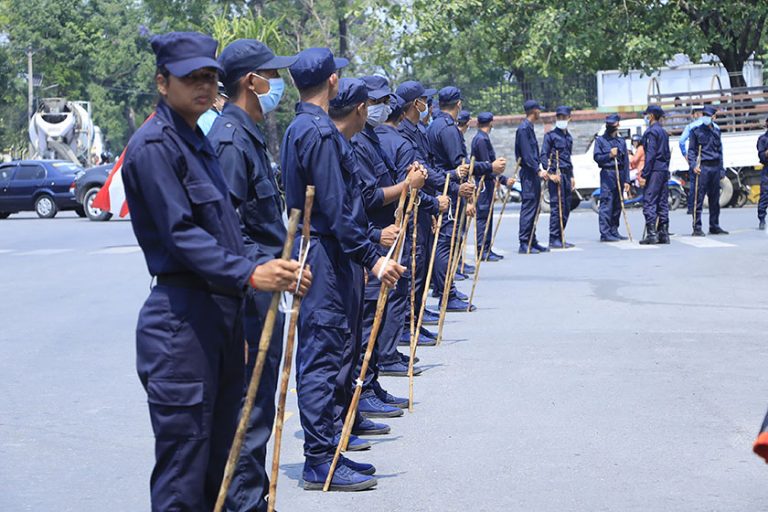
(531, 196)
(656, 198)
(709, 185)
(762, 204)
(189, 357)
(250, 485)
(610, 204)
(565, 199)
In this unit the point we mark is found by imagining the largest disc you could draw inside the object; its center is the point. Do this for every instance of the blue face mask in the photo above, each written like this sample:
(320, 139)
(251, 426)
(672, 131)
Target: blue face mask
(706, 120)
(423, 113)
(271, 98)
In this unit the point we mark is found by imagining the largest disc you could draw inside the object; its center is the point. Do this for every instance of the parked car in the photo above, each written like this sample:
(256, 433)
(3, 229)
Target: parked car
(43, 186)
(87, 185)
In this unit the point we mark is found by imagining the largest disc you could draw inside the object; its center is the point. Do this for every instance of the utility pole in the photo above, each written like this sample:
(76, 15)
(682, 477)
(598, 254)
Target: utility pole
(30, 84)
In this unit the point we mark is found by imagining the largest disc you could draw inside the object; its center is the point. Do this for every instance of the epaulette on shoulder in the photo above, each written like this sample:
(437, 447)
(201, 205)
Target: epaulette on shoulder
(155, 129)
(322, 126)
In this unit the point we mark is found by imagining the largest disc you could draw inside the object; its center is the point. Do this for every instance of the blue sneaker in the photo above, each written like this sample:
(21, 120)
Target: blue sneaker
(458, 276)
(371, 407)
(355, 444)
(360, 467)
(492, 257)
(540, 247)
(406, 360)
(430, 317)
(501, 257)
(422, 341)
(555, 244)
(524, 249)
(456, 305)
(609, 238)
(460, 296)
(618, 235)
(370, 428)
(394, 401)
(398, 370)
(427, 333)
(344, 478)
(468, 269)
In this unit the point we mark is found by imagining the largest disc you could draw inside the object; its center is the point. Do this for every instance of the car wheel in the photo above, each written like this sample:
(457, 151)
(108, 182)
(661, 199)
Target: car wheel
(93, 213)
(45, 207)
(675, 199)
(5, 215)
(80, 212)
(546, 207)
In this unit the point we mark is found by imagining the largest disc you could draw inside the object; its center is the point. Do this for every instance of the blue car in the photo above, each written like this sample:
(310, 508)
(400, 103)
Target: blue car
(43, 186)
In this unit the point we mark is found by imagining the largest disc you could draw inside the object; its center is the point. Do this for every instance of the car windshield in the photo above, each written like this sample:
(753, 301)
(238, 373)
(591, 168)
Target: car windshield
(66, 167)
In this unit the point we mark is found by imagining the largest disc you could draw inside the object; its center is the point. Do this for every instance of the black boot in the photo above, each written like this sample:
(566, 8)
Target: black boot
(651, 238)
(664, 232)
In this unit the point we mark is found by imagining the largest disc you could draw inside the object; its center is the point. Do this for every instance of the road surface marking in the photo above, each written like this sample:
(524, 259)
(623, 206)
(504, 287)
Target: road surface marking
(43, 252)
(631, 246)
(125, 249)
(701, 242)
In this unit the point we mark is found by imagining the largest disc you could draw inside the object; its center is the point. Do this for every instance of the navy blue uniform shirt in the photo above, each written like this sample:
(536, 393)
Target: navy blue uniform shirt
(762, 147)
(180, 205)
(483, 151)
(449, 148)
(243, 159)
(403, 153)
(418, 137)
(526, 146)
(376, 172)
(557, 142)
(711, 146)
(315, 153)
(602, 155)
(657, 152)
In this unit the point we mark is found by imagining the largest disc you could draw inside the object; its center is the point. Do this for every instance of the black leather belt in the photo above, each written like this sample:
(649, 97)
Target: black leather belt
(710, 163)
(194, 282)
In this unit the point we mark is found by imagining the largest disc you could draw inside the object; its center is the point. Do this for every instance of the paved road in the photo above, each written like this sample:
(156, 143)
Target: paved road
(603, 378)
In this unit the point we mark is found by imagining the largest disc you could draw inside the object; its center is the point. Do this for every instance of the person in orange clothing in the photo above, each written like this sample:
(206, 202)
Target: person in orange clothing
(637, 160)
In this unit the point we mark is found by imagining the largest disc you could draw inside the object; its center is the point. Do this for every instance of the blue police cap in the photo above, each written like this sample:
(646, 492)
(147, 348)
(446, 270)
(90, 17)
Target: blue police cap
(463, 117)
(709, 110)
(435, 109)
(612, 119)
(314, 65)
(378, 86)
(396, 103)
(411, 90)
(484, 117)
(531, 105)
(246, 55)
(654, 110)
(563, 110)
(352, 91)
(449, 94)
(184, 52)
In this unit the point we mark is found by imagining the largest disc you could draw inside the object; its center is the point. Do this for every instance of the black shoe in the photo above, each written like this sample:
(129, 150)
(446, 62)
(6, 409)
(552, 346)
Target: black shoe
(540, 247)
(697, 232)
(664, 233)
(651, 238)
(717, 230)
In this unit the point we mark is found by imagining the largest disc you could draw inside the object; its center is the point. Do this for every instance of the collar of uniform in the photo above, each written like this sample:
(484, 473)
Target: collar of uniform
(303, 107)
(370, 132)
(239, 115)
(444, 115)
(408, 125)
(382, 128)
(560, 132)
(194, 138)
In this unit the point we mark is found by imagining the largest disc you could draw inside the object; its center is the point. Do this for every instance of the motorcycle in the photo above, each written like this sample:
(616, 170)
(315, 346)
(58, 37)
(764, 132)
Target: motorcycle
(734, 191)
(635, 196)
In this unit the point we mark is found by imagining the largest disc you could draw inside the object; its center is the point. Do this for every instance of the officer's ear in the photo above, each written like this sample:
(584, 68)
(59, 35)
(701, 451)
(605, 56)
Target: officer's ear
(333, 86)
(161, 82)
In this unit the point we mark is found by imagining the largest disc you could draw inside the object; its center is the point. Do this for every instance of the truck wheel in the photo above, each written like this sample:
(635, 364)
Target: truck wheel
(45, 207)
(93, 213)
(675, 198)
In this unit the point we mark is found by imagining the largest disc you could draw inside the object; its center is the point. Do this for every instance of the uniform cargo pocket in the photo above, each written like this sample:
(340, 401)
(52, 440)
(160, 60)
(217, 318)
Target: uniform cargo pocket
(327, 318)
(176, 408)
(201, 192)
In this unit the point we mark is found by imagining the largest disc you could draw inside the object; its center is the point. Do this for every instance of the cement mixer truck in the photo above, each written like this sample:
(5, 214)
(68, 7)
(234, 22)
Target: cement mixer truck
(63, 130)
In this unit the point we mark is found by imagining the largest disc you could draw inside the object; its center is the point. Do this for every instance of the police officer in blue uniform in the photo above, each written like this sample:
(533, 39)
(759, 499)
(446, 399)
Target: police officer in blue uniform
(482, 150)
(762, 154)
(558, 143)
(403, 153)
(189, 339)
(610, 149)
(656, 175)
(315, 152)
(710, 171)
(531, 174)
(381, 189)
(462, 121)
(450, 157)
(415, 111)
(255, 88)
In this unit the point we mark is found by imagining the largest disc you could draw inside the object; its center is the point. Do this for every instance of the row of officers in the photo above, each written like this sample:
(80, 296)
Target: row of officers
(208, 214)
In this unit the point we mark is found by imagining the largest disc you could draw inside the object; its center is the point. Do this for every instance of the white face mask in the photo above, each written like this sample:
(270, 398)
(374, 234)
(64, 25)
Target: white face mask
(377, 114)
(561, 124)
(422, 113)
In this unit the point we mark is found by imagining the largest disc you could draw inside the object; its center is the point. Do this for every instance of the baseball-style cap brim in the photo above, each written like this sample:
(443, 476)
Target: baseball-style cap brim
(340, 62)
(378, 94)
(184, 67)
(279, 62)
(429, 93)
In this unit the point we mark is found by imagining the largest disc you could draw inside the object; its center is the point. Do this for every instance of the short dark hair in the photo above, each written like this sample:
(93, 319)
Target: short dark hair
(341, 113)
(233, 89)
(313, 90)
(162, 70)
(449, 105)
(483, 125)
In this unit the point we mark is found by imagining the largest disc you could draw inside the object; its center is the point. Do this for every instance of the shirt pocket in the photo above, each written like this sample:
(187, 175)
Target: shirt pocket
(207, 205)
(266, 208)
